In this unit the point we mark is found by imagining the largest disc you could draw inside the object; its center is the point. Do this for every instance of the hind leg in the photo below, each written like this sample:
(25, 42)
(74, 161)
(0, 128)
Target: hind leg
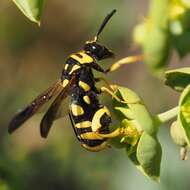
(119, 132)
(100, 125)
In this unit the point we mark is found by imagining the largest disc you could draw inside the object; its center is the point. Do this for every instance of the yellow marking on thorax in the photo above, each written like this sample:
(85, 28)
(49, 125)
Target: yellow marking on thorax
(74, 68)
(66, 66)
(83, 124)
(85, 58)
(84, 86)
(96, 148)
(77, 110)
(91, 136)
(97, 116)
(86, 99)
(65, 82)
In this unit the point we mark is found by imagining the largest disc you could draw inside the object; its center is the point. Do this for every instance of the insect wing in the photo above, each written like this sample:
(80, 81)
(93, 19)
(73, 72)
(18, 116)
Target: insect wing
(34, 106)
(52, 112)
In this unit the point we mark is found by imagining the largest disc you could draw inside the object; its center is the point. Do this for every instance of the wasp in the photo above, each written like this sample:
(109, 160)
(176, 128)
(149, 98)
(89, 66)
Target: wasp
(89, 118)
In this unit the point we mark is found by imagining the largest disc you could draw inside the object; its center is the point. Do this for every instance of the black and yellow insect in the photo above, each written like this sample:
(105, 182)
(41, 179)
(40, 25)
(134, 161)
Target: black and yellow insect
(89, 118)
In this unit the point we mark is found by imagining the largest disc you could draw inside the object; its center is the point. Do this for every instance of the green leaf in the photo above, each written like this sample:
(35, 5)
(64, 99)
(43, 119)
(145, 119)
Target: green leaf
(132, 155)
(178, 79)
(139, 111)
(182, 43)
(120, 109)
(149, 154)
(184, 112)
(125, 112)
(31, 9)
(146, 152)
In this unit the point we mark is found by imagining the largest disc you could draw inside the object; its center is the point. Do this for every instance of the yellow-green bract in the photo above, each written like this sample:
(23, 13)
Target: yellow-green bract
(146, 152)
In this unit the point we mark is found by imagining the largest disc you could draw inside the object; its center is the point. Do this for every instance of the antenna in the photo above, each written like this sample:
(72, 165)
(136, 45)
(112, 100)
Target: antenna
(105, 21)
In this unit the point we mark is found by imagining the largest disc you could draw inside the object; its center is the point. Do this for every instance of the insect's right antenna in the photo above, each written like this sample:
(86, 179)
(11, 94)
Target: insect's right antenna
(105, 21)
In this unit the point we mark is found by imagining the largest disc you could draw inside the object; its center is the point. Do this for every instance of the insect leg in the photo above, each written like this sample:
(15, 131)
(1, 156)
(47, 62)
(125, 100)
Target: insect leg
(116, 133)
(110, 89)
(108, 84)
(124, 61)
(111, 93)
(97, 67)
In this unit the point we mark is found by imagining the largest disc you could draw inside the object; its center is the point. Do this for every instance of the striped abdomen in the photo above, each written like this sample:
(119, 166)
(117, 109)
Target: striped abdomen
(88, 116)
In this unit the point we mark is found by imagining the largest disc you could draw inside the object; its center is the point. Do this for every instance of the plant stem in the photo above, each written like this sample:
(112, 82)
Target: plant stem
(168, 115)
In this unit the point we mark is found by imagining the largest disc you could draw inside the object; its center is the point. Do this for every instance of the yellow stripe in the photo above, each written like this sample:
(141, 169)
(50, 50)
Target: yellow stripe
(65, 82)
(83, 124)
(77, 110)
(86, 99)
(66, 66)
(91, 136)
(96, 148)
(74, 68)
(84, 86)
(97, 116)
(85, 58)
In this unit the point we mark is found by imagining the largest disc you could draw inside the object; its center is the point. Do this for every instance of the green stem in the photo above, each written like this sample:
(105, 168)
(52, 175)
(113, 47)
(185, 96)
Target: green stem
(168, 115)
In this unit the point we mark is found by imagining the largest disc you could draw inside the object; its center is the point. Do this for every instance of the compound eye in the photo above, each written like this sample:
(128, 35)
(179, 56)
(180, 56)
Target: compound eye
(94, 47)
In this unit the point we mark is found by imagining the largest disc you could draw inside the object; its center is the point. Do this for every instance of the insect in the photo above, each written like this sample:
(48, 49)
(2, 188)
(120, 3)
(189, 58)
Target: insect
(89, 118)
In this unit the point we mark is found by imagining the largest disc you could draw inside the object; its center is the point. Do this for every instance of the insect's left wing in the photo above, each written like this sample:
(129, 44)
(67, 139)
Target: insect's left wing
(34, 106)
(52, 112)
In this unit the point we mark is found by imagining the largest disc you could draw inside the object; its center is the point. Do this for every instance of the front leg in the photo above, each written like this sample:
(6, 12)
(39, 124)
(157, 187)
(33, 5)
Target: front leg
(97, 67)
(124, 61)
(118, 64)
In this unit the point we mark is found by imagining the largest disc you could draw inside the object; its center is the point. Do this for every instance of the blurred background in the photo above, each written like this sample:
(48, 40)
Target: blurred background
(31, 58)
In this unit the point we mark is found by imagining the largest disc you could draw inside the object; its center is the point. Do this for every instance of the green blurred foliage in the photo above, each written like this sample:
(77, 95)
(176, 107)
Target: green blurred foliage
(153, 35)
(165, 28)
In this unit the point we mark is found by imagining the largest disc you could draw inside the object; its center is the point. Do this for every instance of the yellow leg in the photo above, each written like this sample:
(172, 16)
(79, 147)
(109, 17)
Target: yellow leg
(110, 89)
(108, 84)
(111, 93)
(116, 133)
(124, 61)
